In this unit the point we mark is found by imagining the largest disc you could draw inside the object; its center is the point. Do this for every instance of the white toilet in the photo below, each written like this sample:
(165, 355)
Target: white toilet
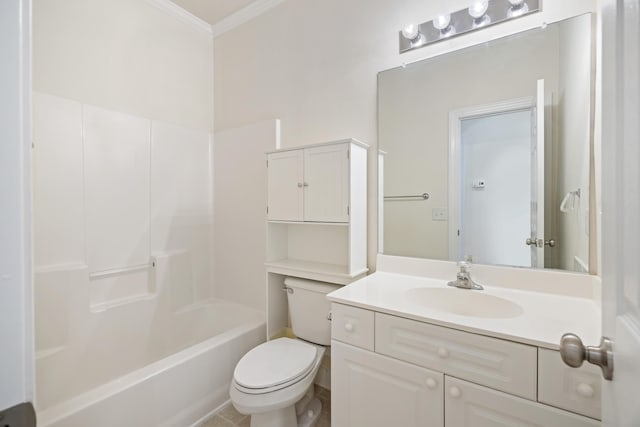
(274, 381)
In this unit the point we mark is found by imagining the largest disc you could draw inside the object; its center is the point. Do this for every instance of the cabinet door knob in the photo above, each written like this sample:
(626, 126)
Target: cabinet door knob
(443, 352)
(455, 392)
(299, 185)
(431, 383)
(348, 327)
(585, 390)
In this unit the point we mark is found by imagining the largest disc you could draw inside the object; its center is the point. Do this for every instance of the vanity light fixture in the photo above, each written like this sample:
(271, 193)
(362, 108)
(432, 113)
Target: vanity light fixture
(480, 14)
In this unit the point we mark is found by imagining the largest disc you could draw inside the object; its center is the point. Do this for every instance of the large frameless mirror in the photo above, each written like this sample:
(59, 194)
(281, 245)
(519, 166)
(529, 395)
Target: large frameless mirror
(486, 152)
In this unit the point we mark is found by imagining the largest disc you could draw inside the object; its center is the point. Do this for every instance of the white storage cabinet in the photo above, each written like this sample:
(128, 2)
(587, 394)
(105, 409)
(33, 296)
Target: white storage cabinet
(388, 370)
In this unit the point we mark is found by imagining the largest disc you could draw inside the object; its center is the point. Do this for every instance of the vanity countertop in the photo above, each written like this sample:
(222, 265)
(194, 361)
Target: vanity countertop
(543, 318)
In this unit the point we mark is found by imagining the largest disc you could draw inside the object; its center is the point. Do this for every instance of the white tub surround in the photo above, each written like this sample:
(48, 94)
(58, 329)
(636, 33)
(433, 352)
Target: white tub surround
(414, 351)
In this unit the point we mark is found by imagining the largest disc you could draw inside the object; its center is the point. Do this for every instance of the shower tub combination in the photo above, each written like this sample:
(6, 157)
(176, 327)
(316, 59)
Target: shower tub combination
(127, 331)
(139, 367)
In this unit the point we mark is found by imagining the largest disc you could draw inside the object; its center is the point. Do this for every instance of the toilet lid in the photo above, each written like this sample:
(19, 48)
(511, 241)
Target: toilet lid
(274, 362)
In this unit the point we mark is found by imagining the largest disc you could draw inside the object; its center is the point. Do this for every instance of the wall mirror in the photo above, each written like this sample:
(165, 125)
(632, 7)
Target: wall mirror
(486, 151)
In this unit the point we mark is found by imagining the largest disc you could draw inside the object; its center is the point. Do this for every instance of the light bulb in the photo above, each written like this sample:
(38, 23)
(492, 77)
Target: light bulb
(478, 9)
(518, 8)
(411, 32)
(441, 22)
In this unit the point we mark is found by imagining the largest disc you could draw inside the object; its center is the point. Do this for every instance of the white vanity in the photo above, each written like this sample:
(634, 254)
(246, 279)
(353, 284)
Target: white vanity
(407, 350)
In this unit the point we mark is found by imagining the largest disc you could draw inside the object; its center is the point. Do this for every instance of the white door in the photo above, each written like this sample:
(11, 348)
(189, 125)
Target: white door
(537, 242)
(621, 208)
(369, 390)
(285, 186)
(326, 183)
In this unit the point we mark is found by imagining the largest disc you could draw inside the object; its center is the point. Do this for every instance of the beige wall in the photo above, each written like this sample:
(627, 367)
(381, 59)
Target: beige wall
(124, 55)
(314, 65)
(574, 109)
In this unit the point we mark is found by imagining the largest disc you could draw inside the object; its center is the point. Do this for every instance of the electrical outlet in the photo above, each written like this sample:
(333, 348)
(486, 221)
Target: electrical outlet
(439, 214)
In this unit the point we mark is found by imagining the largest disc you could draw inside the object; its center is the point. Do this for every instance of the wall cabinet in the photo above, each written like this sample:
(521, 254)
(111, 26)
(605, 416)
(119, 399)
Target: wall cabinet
(316, 218)
(310, 184)
(387, 368)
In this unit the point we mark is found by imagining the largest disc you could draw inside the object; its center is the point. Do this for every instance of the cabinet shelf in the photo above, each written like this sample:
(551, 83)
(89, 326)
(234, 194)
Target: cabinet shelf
(314, 270)
(338, 224)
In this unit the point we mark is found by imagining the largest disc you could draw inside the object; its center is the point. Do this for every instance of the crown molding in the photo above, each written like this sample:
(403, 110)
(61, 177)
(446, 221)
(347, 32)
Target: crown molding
(183, 15)
(244, 15)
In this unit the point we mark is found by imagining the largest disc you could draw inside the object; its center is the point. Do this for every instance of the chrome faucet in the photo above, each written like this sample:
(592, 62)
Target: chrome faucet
(463, 278)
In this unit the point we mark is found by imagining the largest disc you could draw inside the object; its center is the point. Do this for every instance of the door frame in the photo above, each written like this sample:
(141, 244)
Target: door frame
(455, 151)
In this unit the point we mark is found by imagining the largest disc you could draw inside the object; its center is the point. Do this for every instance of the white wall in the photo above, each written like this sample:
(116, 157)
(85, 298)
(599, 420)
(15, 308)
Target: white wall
(314, 65)
(124, 55)
(240, 191)
(16, 329)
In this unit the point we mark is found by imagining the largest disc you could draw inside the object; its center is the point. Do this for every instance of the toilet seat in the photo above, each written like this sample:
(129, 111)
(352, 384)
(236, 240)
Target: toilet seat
(274, 365)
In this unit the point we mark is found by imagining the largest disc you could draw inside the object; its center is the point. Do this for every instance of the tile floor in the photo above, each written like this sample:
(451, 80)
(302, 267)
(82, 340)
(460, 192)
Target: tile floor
(229, 417)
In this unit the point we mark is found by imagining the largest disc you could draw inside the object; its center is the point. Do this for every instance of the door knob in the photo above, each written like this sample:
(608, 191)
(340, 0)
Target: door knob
(573, 353)
(540, 242)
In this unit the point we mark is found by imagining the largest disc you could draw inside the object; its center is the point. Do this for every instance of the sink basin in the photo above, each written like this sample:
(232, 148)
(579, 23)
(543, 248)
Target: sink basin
(464, 302)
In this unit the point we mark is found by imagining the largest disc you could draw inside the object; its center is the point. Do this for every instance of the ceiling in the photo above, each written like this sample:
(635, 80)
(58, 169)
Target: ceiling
(212, 11)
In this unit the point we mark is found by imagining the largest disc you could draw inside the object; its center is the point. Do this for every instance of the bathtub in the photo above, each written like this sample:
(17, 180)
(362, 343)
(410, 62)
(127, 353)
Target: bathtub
(183, 388)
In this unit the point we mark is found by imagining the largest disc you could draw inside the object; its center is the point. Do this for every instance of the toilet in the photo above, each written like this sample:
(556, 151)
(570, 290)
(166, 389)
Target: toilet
(274, 381)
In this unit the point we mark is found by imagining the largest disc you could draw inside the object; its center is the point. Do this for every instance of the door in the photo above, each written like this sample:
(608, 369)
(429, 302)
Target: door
(376, 391)
(326, 183)
(487, 143)
(285, 186)
(621, 208)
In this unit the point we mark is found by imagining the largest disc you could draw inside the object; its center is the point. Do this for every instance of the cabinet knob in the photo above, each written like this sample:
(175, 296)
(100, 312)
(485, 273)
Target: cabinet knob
(299, 185)
(585, 390)
(443, 352)
(348, 327)
(455, 392)
(431, 383)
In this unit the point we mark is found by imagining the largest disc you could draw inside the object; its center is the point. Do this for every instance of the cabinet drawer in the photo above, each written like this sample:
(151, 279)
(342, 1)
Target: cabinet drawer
(500, 364)
(469, 404)
(352, 325)
(576, 390)
(370, 390)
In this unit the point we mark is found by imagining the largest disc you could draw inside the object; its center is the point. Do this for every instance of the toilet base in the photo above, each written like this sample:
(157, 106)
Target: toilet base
(286, 417)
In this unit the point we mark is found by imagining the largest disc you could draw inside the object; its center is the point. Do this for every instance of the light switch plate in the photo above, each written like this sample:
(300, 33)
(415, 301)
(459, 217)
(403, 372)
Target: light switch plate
(439, 214)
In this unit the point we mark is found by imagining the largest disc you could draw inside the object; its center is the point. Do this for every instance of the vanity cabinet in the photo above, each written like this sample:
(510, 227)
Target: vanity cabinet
(378, 391)
(478, 380)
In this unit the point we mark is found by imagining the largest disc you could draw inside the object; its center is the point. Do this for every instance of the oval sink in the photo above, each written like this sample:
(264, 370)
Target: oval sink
(464, 302)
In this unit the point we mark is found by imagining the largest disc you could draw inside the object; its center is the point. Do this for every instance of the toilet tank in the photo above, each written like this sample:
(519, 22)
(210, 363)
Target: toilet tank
(309, 309)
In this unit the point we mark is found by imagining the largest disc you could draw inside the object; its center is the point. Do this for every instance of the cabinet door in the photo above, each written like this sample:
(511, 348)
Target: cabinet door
(468, 404)
(285, 186)
(326, 183)
(376, 391)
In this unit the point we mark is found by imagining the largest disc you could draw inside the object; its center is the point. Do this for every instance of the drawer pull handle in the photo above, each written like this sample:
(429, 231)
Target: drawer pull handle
(348, 327)
(455, 392)
(431, 383)
(443, 352)
(585, 390)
